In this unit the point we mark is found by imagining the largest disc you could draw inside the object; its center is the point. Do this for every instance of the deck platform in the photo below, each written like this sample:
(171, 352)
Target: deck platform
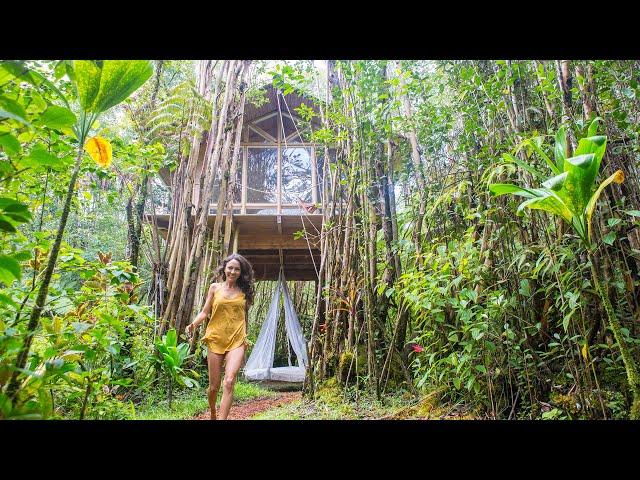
(268, 241)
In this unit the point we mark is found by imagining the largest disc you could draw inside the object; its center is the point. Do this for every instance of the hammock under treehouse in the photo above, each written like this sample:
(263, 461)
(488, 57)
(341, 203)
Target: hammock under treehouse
(260, 363)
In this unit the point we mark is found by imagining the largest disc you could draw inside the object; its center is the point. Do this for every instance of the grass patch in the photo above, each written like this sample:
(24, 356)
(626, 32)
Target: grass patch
(334, 403)
(188, 403)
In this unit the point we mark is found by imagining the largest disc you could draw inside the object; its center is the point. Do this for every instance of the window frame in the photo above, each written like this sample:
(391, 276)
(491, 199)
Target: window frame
(279, 143)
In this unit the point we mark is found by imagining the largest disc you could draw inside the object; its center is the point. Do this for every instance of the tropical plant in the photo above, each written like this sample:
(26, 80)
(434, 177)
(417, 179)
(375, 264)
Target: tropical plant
(100, 85)
(170, 358)
(573, 194)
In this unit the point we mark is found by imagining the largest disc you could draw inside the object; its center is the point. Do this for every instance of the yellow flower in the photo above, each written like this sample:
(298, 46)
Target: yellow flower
(99, 150)
(585, 353)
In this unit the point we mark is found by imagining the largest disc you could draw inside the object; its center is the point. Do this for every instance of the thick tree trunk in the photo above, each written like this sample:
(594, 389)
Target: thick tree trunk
(187, 255)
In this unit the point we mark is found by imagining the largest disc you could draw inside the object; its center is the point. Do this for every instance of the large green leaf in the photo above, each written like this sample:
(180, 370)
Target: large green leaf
(555, 183)
(10, 144)
(172, 338)
(100, 87)
(169, 360)
(11, 109)
(593, 127)
(596, 145)
(504, 188)
(58, 117)
(617, 177)
(7, 300)
(183, 351)
(40, 157)
(548, 201)
(560, 149)
(120, 78)
(19, 70)
(10, 265)
(161, 347)
(6, 114)
(578, 185)
(87, 76)
(15, 210)
(188, 382)
(5, 74)
(6, 225)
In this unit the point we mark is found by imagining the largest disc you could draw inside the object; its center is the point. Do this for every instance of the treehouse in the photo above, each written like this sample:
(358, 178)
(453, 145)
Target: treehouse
(276, 217)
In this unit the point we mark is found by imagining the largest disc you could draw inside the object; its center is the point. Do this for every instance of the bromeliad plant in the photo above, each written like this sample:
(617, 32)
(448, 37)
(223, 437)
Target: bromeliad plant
(572, 194)
(100, 85)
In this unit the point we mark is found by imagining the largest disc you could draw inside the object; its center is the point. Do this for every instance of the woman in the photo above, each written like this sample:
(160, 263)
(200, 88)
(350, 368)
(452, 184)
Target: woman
(226, 335)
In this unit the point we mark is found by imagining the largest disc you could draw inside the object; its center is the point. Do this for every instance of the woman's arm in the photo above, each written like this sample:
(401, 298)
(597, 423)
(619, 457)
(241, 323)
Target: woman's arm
(206, 310)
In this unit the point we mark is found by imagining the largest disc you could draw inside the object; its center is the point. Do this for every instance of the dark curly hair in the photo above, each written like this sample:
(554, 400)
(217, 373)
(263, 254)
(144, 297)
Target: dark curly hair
(245, 281)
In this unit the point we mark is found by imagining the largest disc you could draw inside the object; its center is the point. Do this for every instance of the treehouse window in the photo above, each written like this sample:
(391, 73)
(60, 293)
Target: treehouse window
(278, 170)
(296, 175)
(262, 175)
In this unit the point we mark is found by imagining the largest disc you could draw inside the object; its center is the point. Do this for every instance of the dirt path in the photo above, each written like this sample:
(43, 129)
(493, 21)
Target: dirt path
(245, 410)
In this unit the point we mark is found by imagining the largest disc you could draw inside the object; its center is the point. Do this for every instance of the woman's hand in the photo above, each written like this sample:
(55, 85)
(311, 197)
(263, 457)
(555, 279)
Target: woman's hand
(190, 328)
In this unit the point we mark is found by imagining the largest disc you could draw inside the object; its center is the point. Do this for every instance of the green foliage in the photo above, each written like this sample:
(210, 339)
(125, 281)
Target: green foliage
(103, 84)
(171, 359)
(74, 368)
(503, 313)
(572, 193)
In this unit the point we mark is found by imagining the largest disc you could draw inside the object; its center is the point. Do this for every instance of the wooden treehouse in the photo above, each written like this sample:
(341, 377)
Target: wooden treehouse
(276, 193)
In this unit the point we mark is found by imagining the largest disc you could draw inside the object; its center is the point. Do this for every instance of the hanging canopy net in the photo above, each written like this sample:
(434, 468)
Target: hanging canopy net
(260, 363)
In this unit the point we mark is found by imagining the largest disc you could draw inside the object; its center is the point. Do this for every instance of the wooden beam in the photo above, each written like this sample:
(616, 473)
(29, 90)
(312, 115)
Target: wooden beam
(261, 242)
(290, 273)
(243, 200)
(275, 259)
(262, 133)
(229, 225)
(236, 234)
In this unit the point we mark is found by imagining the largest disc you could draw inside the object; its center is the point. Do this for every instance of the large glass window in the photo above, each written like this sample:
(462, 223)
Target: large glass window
(296, 175)
(265, 161)
(262, 175)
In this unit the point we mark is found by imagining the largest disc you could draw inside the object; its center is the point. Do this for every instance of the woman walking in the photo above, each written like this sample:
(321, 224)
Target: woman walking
(226, 334)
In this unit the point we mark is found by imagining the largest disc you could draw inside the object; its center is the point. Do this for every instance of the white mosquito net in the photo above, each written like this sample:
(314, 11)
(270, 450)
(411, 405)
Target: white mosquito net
(260, 363)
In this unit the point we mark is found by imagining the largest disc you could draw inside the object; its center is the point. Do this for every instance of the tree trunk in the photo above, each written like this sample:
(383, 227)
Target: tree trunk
(186, 243)
(36, 313)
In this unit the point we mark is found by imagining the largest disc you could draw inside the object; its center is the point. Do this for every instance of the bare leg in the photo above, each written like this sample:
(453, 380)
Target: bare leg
(215, 368)
(234, 361)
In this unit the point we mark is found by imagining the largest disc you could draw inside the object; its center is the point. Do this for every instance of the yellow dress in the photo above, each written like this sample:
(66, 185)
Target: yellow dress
(226, 329)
